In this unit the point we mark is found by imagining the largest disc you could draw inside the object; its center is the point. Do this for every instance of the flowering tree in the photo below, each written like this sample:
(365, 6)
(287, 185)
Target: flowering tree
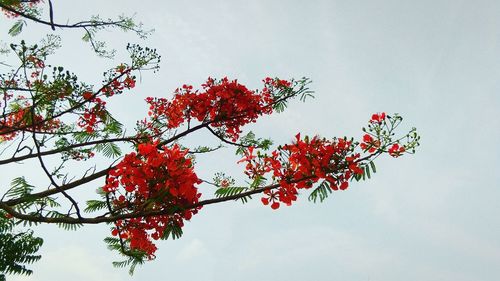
(147, 192)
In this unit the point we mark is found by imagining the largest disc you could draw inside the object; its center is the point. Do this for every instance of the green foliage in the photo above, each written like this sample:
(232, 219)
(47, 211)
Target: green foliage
(124, 23)
(226, 188)
(112, 126)
(298, 88)
(143, 57)
(133, 257)
(203, 149)
(95, 205)
(232, 190)
(173, 230)
(368, 169)
(65, 226)
(131, 261)
(16, 249)
(109, 149)
(321, 192)
(249, 140)
(258, 182)
(19, 187)
(17, 28)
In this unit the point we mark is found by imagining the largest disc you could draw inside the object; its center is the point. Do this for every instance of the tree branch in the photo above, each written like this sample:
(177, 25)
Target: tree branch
(224, 140)
(66, 148)
(96, 220)
(82, 24)
(51, 15)
(53, 191)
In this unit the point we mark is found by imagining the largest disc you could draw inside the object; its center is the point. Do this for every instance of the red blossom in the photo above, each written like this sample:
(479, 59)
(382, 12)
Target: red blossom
(129, 82)
(378, 117)
(155, 178)
(302, 164)
(93, 114)
(223, 104)
(396, 150)
(87, 95)
(369, 143)
(22, 118)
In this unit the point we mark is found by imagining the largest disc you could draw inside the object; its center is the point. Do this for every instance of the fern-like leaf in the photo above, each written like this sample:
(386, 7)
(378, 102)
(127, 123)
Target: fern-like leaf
(109, 149)
(16, 249)
(232, 190)
(94, 205)
(321, 192)
(65, 226)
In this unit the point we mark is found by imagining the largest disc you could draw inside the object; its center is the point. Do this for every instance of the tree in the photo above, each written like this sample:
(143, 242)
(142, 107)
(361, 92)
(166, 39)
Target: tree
(53, 119)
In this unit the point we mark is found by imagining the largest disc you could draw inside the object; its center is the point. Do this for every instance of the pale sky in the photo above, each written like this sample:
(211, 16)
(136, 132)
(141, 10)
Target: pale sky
(430, 216)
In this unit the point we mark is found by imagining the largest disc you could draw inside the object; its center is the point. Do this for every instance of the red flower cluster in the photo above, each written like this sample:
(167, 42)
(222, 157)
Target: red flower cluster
(96, 109)
(22, 118)
(378, 117)
(116, 86)
(223, 103)
(396, 150)
(369, 143)
(303, 163)
(93, 114)
(153, 180)
(276, 83)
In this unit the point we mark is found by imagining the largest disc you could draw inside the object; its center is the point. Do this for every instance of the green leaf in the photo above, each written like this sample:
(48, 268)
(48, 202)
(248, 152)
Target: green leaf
(17, 28)
(86, 37)
(172, 230)
(109, 149)
(250, 140)
(113, 126)
(232, 190)
(357, 177)
(131, 261)
(65, 226)
(16, 249)
(83, 136)
(367, 171)
(19, 188)
(321, 192)
(373, 167)
(95, 205)
(133, 257)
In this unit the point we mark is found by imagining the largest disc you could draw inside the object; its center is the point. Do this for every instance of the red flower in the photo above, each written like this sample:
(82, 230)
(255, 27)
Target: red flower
(248, 155)
(344, 185)
(396, 150)
(302, 164)
(378, 117)
(224, 104)
(275, 205)
(87, 95)
(153, 179)
(369, 143)
(129, 82)
(146, 148)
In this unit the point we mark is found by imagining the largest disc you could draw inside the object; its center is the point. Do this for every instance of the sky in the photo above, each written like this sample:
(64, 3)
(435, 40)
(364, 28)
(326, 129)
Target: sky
(429, 216)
